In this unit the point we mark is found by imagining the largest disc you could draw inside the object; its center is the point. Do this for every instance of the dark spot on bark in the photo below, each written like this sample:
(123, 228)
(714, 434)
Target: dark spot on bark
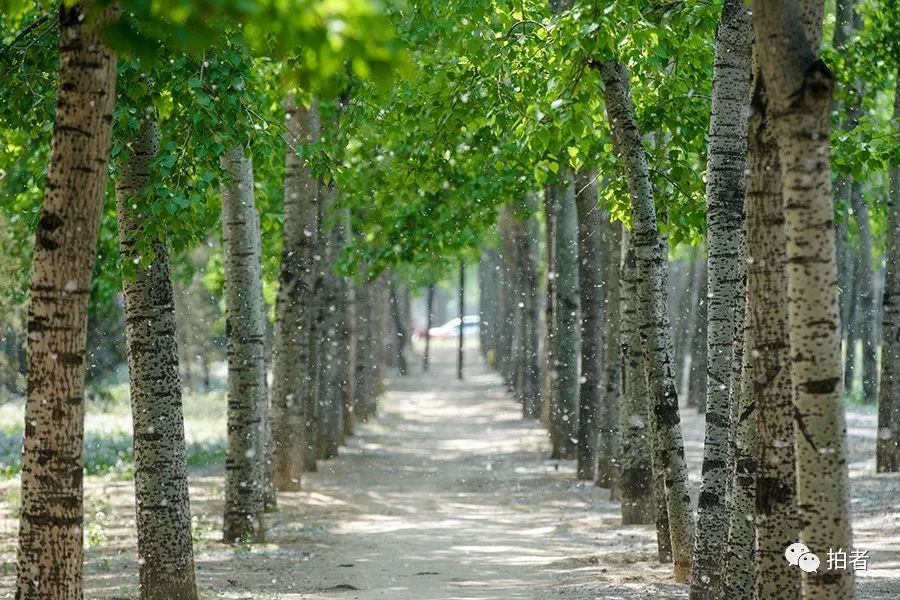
(708, 499)
(51, 521)
(70, 359)
(829, 577)
(772, 492)
(48, 223)
(818, 79)
(745, 465)
(823, 386)
(709, 465)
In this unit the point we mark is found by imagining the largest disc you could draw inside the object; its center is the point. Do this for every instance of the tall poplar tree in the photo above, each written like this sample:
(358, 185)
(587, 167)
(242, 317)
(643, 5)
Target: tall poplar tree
(799, 87)
(50, 556)
(727, 159)
(163, 513)
(245, 330)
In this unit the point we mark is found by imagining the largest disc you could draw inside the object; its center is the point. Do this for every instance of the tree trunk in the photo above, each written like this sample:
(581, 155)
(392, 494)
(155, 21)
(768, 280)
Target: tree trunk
(887, 455)
(764, 475)
(799, 88)
(312, 404)
(50, 556)
(379, 308)
(245, 330)
(843, 29)
(592, 293)
(528, 259)
(635, 461)
(698, 373)
(659, 448)
(507, 352)
(429, 323)
(511, 289)
(290, 347)
(348, 334)
(611, 432)
(654, 319)
(865, 296)
(399, 327)
(727, 162)
(364, 388)
(333, 341)
(678, 300)
(688, 341)
(548, 382)
(564, 409)
(462, 313)
(163, 512)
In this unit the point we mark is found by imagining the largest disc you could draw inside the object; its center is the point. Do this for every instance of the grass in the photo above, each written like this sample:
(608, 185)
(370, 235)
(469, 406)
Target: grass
(107, 437)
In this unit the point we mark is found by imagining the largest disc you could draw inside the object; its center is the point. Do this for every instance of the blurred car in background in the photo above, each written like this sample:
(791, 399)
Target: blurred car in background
(450, 329)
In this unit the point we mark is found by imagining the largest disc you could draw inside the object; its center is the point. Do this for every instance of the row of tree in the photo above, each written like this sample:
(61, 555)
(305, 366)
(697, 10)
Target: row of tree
(774, 467)
(568, 115)
(325, 356)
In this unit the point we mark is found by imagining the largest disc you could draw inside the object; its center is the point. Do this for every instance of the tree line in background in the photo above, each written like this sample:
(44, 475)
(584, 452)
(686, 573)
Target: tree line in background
(250, 160)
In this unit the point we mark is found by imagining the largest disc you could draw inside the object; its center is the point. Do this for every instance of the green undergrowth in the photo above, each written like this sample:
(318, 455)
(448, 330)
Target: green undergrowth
(107, 437)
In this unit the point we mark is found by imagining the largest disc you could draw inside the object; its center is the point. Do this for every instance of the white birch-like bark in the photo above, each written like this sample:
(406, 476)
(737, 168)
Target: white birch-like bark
(727, 159)
(245, 331)
(567, 330)
(50, 556)
(290, 344)
(766, 383)
(636, 448)
(656, 332)
(887, 455)
(611, 361)
(548, 381)
(364, 388)
(591, 289)
(799, 88)
(163, 512)
(332, 344)
(529, 298)
(348, 354)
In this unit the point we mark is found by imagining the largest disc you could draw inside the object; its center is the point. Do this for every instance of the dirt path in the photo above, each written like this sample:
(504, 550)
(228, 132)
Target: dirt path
(447, 495)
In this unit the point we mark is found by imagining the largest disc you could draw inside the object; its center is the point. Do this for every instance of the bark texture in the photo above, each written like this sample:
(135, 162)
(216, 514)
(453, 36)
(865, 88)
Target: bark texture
(530, 298)
(799, 88)
(611, 362)
(767, 380)
(548, 382)
(727, 160)
(163, 513)
(656, 332)
(332, 343)
(864, 299)
(460, 347)
(364, 388)
(429, 316)
(887, 455)
(635, 457)
(590, 285)
(290, 345)
(245, 331)
(49, 560)
(566, 313)
(399, 325)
